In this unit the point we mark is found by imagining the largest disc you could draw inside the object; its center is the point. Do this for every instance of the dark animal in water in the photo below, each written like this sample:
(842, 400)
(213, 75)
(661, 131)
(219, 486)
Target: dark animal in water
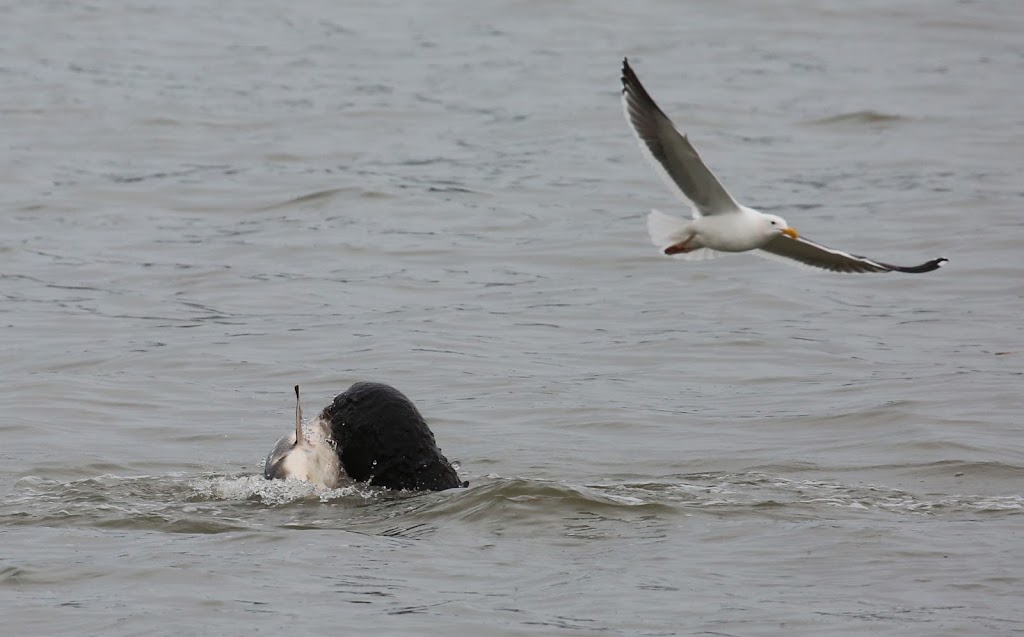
(369, 433)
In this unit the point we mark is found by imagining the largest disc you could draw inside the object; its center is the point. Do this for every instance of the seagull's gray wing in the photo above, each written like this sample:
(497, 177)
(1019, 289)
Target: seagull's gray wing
(671, 152)
(819, 256)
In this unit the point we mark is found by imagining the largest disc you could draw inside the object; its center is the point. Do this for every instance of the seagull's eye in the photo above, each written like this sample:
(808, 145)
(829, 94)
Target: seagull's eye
(774, 224)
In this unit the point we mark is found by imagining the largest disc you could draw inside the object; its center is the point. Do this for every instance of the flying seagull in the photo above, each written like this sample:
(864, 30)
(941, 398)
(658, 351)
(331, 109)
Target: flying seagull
(719, 223)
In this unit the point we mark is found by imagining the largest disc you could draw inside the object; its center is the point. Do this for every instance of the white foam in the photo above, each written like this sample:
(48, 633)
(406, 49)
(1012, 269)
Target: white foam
(275, 492)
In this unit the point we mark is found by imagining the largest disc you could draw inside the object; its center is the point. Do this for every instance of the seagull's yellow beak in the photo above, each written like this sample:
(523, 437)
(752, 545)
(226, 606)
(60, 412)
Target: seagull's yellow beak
(791, 233)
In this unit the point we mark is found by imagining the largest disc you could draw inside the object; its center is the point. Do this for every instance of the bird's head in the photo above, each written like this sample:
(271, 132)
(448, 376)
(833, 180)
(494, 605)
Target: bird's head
(776, 225)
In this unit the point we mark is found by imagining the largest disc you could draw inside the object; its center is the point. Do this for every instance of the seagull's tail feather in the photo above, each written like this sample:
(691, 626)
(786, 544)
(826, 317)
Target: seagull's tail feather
(666, 230)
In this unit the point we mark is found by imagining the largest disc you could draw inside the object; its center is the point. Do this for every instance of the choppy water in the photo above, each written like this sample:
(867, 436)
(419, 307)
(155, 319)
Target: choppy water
(201, 206)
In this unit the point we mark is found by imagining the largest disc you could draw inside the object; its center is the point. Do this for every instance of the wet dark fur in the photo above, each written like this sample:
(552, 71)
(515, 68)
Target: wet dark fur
(385, 441)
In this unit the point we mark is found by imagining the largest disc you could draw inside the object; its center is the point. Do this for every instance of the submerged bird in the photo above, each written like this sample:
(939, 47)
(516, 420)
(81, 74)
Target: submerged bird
(308, 454)
(719, 223)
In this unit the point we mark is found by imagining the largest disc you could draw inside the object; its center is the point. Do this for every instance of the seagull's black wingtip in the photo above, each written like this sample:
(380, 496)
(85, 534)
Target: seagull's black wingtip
(629, 77)
(927, 266)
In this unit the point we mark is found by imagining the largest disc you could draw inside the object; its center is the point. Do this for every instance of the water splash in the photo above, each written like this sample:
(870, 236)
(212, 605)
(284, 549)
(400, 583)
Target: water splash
(274, 492)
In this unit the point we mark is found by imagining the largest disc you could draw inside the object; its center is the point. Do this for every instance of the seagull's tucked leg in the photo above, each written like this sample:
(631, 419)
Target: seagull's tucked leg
(681, 247)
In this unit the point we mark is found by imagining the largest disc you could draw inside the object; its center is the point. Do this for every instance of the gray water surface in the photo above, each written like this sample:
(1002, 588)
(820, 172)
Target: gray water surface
(203, 205)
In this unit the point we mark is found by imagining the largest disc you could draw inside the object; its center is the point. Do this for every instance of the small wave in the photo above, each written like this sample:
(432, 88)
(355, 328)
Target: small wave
(869, 497)
(749, 493)
(491, 495)
(217, 503)
(317, 198)
(177, 502)
(107, 501)
(859, 118)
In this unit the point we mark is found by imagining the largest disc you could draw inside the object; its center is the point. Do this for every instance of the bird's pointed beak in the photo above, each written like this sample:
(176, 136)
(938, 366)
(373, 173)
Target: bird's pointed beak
(791, 233)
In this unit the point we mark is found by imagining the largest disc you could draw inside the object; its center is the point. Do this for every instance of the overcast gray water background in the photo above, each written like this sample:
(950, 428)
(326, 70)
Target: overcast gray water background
(204, 204)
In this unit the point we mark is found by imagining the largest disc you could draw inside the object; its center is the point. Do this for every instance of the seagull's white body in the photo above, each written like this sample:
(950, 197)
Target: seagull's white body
(719, 223)
(742, 230)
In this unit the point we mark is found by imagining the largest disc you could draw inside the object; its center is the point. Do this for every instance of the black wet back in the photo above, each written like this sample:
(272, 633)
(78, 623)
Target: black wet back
(384, 440)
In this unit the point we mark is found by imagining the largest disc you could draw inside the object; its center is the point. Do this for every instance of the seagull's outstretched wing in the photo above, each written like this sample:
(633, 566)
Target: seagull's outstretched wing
(671, 152)
(818, 256)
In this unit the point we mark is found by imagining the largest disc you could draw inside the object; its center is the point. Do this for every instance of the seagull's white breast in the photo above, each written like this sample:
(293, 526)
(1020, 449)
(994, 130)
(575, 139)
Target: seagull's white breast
(734, 231)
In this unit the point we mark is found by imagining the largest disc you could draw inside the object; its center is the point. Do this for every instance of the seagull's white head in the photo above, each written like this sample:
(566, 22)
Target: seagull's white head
(776, 225)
